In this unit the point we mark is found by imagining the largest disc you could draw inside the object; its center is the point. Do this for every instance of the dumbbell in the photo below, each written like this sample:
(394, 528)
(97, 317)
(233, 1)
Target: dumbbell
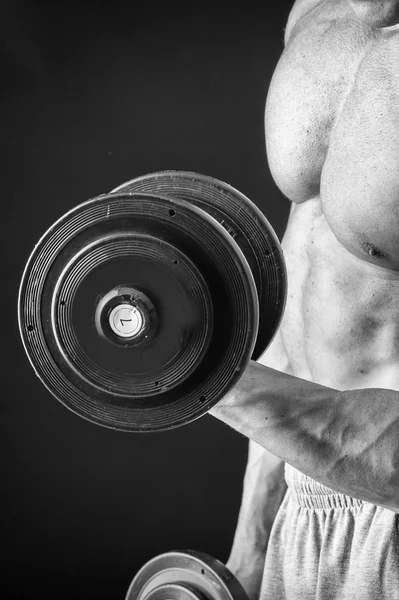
(141, 308)
(185, 575)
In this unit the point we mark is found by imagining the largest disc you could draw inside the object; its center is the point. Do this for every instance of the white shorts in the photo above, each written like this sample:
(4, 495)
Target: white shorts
(328, 546)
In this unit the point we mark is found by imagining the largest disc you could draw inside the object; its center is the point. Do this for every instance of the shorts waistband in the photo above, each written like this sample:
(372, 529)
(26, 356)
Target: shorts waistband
(308, 493)
(325, 502)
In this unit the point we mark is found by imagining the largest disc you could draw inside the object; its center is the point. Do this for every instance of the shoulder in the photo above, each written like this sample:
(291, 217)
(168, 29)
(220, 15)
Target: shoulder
(300, 9)
(329, 13)
(369, 13)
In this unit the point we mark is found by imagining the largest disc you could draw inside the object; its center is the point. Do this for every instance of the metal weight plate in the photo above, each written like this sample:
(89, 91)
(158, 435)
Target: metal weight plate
(138, 312)
(185, 575)
(246, 224)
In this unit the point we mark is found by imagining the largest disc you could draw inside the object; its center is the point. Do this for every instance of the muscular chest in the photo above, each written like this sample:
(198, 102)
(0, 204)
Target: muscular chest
(332, 131)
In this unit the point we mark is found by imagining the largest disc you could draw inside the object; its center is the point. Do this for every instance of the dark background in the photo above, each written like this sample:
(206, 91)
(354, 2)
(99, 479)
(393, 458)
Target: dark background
(94, 95)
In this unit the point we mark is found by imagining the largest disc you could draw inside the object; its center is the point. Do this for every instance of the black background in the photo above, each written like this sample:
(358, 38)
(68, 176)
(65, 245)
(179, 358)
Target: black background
(94, 95)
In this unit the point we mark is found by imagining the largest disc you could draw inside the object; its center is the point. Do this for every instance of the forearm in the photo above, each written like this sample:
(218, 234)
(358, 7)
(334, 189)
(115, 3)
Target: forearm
(263, 490)
(347, 441)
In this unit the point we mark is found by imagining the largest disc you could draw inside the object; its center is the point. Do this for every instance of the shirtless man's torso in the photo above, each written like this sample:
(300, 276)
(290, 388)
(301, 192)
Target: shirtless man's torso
(332, 139)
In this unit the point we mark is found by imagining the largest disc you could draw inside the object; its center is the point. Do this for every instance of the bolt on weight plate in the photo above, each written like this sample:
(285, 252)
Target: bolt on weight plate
(245, 223)
(138, 312)
(185, 575)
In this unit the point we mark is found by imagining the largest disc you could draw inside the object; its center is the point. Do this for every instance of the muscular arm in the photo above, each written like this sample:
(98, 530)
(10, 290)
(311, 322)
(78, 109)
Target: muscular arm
(348, 441)
(264, 489)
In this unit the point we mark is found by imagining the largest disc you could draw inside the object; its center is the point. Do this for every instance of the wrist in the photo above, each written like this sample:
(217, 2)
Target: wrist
(246, 558)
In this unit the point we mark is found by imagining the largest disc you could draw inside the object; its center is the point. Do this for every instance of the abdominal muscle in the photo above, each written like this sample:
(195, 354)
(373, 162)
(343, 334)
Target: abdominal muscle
(340, 326)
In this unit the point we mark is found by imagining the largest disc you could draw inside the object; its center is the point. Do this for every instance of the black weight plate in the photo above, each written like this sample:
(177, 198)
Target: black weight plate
(197, 295)
(246, 224)
(185, 575)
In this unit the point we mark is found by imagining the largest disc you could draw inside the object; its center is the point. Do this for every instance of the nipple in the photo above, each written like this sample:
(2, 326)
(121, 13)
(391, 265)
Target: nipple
(374, 252)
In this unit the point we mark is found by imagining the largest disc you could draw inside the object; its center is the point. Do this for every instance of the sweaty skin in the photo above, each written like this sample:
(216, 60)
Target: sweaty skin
(332, 140)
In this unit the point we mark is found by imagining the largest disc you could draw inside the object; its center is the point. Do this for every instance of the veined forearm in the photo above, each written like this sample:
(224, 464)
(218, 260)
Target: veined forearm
(348, 441)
